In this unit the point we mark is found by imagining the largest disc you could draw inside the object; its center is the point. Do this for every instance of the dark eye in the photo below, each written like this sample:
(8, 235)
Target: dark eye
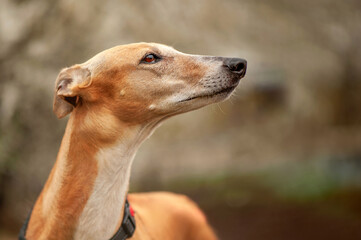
(150, 58)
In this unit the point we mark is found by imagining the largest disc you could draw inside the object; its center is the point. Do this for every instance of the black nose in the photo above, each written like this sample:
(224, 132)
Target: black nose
(236, 65)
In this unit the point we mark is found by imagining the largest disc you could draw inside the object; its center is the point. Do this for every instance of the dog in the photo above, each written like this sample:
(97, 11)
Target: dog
(115, 101)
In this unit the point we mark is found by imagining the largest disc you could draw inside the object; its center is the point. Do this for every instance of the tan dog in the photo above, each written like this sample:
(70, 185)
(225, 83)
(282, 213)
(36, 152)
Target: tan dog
(116, 100)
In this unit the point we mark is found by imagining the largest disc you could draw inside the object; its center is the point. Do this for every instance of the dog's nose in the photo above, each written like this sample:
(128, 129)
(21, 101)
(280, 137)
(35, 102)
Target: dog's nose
(236, 65)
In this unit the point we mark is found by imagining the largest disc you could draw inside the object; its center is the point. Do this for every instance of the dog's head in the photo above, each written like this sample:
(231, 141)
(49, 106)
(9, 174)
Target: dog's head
(145, 81)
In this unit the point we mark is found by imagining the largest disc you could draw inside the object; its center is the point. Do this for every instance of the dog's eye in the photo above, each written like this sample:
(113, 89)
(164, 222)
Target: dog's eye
(150, 58)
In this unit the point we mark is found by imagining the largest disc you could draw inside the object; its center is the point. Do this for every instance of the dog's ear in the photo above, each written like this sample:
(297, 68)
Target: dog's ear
(68, 87)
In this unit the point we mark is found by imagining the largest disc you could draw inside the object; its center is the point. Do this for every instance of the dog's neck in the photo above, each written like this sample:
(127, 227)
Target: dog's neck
(85, 193)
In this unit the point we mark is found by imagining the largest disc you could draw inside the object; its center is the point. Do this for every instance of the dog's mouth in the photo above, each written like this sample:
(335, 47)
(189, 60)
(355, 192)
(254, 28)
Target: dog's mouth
(224, 91)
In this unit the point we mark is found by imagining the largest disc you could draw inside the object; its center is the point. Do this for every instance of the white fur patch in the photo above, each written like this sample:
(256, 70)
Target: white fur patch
(101, 214)
(104, 208)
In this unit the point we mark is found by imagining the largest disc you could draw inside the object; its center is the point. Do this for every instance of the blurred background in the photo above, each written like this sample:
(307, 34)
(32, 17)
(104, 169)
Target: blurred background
(280, 160)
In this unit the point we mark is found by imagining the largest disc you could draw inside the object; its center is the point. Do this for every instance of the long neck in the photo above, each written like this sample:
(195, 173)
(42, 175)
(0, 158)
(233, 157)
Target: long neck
(84, 195)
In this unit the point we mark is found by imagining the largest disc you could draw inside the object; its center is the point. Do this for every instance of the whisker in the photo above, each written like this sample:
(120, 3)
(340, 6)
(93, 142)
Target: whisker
(220, 108)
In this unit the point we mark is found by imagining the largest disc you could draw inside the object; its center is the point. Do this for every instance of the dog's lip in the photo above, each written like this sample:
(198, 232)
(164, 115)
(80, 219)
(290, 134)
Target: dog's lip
(224, 90)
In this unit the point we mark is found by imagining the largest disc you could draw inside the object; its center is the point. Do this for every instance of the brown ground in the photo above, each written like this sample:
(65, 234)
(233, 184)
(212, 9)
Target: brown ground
(277, 221)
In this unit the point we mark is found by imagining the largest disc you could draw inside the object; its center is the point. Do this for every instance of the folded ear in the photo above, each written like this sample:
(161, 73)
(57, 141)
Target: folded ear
(68, 87)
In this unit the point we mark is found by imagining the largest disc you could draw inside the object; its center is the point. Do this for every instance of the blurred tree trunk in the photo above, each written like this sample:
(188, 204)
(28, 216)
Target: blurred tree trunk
(348, 96)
